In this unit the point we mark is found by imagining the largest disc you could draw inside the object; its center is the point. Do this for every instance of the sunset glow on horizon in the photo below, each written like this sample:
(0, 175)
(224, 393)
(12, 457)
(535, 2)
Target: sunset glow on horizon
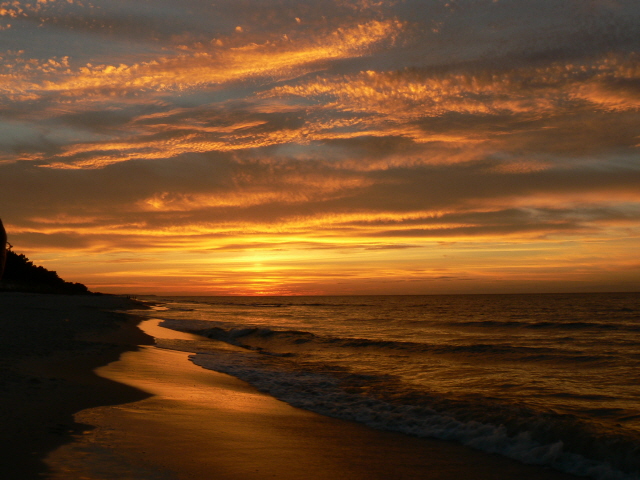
(327, 147)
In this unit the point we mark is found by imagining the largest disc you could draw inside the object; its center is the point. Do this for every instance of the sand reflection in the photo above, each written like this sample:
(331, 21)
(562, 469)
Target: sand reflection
(200, 424)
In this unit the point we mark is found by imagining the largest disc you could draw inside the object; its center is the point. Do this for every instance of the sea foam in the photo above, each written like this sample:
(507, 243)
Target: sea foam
(323, 394)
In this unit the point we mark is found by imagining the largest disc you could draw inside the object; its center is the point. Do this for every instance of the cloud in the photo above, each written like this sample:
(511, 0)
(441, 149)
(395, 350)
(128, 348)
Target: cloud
(208, 65)
(224, 197)
(337, 139)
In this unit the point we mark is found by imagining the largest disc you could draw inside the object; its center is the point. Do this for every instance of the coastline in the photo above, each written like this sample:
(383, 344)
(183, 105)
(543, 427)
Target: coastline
(197, 423)
(87, 394)
(49, 348)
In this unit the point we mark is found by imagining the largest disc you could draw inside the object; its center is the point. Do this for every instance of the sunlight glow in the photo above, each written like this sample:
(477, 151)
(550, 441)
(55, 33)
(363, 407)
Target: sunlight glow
(327, 147)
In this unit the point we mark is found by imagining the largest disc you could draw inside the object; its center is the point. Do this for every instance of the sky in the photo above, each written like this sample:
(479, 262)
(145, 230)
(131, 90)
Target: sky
(323, 147)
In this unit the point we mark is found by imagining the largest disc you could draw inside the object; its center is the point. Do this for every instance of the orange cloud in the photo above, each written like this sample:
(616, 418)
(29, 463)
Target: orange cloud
(296, 190)
(206, 67)
(407, 95)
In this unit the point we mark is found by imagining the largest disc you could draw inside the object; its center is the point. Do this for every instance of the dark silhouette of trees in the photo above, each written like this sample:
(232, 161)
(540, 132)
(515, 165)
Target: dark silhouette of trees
(21, 274)
(3, 246)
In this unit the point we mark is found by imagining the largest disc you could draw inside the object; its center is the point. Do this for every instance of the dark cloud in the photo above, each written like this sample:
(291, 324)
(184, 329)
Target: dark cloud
(519, 32)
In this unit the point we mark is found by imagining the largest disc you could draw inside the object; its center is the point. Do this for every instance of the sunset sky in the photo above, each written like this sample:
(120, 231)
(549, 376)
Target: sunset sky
(323, 146)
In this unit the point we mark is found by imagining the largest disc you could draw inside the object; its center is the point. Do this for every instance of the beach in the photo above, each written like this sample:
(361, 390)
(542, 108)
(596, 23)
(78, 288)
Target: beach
(148, 412)
(49, 347)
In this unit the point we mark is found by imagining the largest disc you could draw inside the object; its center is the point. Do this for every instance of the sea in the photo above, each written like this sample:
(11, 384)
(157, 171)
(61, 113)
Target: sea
(548, 379)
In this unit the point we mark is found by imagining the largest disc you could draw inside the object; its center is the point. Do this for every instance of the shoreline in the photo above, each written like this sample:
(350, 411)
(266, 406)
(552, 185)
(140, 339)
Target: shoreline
(89, 395)
(197, 423)
(50, 346)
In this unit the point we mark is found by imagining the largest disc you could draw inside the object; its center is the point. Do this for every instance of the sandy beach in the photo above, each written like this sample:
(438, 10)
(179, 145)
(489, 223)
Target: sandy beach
(49, 347)
(149, 413)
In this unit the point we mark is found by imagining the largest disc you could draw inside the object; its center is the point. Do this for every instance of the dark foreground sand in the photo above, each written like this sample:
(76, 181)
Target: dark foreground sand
(162, 417)
(49, 346)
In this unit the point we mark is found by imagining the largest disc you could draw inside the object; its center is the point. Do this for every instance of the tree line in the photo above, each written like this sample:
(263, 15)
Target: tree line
(20, 274)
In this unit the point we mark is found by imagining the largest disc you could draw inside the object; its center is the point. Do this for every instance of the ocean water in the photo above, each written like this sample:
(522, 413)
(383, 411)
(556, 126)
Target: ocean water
(543, 379)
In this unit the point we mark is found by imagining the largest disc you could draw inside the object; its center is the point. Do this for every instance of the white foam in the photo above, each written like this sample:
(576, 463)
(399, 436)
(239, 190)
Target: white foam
(322, 394)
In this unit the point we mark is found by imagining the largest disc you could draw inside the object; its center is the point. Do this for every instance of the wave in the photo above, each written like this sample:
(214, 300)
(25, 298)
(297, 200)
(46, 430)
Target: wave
(550, 382)
(290, 342)
(323, 371)
(544, 325)
(558, 441)
(280, 303)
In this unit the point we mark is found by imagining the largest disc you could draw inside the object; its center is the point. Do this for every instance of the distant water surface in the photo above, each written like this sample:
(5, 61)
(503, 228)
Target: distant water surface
(546, 379)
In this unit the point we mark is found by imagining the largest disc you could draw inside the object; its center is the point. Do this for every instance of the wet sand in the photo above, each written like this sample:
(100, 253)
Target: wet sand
(200, 424)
